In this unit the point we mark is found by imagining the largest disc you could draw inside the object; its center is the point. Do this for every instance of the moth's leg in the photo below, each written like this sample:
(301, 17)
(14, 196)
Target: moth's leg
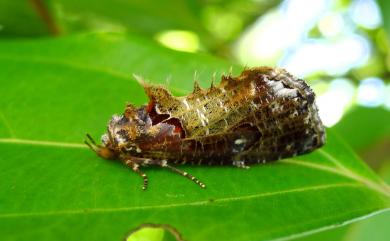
(163, 163)
(240, 164)
(132, 163)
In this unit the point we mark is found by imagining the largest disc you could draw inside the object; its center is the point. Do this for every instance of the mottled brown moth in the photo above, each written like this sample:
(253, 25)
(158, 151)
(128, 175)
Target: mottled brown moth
(262, 115)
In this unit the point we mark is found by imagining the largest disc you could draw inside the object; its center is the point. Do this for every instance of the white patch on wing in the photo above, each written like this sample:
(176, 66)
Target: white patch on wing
(288, 93)
(275, 85)
(186, 104)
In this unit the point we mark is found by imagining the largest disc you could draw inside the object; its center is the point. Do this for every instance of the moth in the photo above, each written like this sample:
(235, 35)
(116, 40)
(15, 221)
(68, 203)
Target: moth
(262, 115)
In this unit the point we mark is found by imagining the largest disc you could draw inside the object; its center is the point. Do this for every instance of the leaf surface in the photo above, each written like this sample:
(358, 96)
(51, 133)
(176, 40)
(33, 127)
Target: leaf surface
(53, 188)
(372, 120)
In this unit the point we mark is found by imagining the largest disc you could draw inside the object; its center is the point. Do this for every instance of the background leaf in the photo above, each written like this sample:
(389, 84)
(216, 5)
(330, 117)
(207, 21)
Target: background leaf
(385, 9)
(366, 116)
(375, 228)
(215, 24)
(147, 17)
(51, 184)
(14, 16)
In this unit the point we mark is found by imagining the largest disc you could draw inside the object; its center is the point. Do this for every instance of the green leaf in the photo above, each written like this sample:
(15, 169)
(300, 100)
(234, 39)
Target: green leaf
(52, 187)
(375, 228)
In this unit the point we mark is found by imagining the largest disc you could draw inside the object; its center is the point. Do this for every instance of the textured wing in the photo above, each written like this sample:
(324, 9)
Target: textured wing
(262, 115)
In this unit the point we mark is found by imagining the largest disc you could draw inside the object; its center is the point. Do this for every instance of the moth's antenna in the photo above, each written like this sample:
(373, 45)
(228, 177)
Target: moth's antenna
(89, 145)
(92, 146)
(91, 139)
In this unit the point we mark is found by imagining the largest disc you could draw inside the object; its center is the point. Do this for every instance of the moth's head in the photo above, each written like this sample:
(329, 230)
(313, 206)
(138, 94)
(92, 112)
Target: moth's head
(102, 151)
(120, 131)
(124, 130)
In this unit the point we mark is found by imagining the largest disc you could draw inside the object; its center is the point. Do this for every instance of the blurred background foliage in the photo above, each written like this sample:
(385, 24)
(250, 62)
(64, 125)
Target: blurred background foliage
(340, 46)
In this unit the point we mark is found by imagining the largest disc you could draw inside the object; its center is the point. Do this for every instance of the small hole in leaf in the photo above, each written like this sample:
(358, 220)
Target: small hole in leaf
(154, 232)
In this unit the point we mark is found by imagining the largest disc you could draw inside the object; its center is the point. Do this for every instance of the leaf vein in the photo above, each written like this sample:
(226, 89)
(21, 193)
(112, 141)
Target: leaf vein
(196, 203)
(343, 172)
(7, 125)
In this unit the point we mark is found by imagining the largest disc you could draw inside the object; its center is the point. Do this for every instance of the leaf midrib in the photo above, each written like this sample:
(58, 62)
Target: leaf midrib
(42, 143)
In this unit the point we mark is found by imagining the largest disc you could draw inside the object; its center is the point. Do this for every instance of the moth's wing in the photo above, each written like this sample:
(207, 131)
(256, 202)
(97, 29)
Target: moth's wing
(266, 114)
(246, 142)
